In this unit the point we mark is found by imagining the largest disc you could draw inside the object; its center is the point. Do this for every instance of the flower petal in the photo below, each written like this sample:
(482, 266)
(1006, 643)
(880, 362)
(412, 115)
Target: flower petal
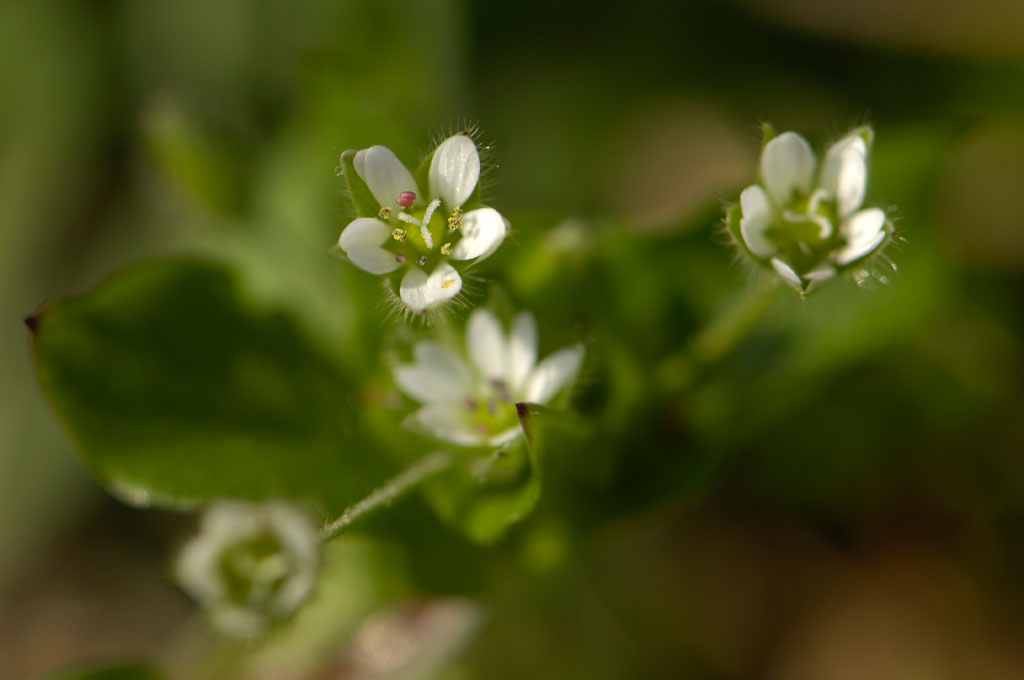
(483, 231)
(361, 241)
(787, 164)
(420, 292)
(864, 232)
(486, 344)
(364, 231)
(757, 216)
(844, 173)
(373, 259)
(505, 437)
(444, 422)
(454, 170)
(438, 375)
(522, 352)
(386, 176)
(787, 273)
(553, 373)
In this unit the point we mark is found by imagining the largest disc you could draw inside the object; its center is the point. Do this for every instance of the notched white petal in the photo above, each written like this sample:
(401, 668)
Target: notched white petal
(373, 259)
(386, 176)
(864, 232)
(844, 173)
(787, 165)
(757, 217)
(421, 292)
(454, 170)
(483, 231)
(361, 241)
(787, 273)
(552, 374)
(443, 422)
(486, 344)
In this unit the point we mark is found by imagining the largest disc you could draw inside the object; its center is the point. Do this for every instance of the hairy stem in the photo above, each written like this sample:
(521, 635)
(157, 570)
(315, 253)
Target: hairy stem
(384, 496)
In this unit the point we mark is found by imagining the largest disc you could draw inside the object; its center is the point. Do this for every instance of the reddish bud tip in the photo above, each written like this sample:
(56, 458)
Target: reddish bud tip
(406, 198)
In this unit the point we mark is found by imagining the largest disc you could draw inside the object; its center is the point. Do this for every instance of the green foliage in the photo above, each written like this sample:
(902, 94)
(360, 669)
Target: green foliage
(178, 392)
(118, 672)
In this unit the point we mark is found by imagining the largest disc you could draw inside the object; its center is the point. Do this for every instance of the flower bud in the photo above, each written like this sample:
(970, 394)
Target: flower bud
(251, 564)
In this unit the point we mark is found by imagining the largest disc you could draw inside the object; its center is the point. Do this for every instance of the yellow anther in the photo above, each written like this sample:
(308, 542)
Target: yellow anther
(399, 234)
(454, 223)
(448, 283)
(446, 249)
(457, 211)
(384, 213)
(422, 261)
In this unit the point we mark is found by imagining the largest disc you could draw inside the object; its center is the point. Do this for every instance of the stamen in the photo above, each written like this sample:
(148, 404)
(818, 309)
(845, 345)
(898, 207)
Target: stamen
(406, 199)
(454, 223)
(422, 260)
(400, 258)
(457, 211)
(399, 234)
(446, 249)
(385, 213)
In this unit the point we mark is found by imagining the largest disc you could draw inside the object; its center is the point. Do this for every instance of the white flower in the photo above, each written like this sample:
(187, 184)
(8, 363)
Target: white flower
(474, 403)
(422, 235)
(250, 564)
(806, 222)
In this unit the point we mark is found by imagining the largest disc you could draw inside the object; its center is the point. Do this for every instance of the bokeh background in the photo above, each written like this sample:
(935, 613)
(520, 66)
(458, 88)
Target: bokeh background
(839, 495)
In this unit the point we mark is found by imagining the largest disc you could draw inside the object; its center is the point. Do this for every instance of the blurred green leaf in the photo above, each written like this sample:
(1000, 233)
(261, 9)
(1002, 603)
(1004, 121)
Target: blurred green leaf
(178, 391)
(119, 672)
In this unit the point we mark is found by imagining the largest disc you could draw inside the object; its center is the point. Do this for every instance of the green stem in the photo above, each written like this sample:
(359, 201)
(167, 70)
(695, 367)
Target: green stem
(678, 371)
(394, 489)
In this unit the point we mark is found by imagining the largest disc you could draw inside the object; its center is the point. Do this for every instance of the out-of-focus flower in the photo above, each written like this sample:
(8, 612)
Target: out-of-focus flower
(251, 564)
(474, 403)
(805, 222)
(424, 236)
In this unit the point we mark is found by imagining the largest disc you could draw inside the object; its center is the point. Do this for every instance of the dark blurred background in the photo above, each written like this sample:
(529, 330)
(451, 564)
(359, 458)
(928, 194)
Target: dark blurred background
(843, 497)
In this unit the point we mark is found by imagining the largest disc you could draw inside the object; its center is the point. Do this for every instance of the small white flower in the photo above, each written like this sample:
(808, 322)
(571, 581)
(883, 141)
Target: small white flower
(805, 222)
(474, 403)
(422, 235)
(250, 564)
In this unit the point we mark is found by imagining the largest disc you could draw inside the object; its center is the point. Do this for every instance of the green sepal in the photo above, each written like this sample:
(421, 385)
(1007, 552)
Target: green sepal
(358, 191)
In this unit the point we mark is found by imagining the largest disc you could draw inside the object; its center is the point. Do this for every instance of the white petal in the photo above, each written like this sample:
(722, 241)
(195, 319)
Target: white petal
(757, 216)
(787, 164)
(437, 376)
(522, 352)
(373, 259)
(420, 292)
(361, 241)
(505, 437)
(552, 374)
(386, 176)
(822, 273)
(364, 231)
(483, 231)
(485, 342)
(844, 173)
(454, 170)
(864, 232)
(444, 422)
(787, 273)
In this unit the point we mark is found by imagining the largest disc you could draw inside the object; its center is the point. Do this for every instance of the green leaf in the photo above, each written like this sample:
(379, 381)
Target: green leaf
(118, 672)
(484, 497)
(179, 391)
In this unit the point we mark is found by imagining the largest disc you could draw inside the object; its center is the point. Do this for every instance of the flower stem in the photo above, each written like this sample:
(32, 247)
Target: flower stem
(678, 371)
(384, 496)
